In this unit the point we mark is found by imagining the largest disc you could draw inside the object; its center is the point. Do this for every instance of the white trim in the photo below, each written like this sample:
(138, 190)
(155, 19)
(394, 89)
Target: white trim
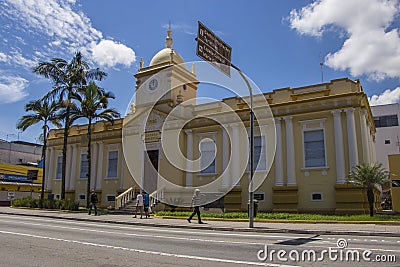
(339, 146)
(278, 153)
(99, 172)
(189, 157)
(290, 152)
(351, 138)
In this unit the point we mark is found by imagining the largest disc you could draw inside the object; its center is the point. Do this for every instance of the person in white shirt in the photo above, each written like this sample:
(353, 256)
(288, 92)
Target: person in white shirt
(139, 205)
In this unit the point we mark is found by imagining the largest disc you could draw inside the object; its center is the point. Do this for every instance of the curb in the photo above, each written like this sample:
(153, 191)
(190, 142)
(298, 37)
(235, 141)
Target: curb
(394, 223)
(255, 230)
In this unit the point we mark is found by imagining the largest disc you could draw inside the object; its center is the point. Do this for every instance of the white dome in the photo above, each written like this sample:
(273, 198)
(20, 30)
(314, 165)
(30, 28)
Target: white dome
(164, 56)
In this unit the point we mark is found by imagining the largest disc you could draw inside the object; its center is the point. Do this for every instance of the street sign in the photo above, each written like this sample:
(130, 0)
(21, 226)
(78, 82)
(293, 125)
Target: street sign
(212, 49)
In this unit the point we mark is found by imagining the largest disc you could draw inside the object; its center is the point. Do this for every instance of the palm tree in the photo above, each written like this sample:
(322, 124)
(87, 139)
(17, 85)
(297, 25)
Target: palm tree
(93, 106)
(67, 77)
(46, 112)
(368, 176)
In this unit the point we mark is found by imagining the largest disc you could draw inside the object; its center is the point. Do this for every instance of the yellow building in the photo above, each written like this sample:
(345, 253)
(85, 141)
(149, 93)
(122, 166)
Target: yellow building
(303, 153)
(15, 183)
(394, 170)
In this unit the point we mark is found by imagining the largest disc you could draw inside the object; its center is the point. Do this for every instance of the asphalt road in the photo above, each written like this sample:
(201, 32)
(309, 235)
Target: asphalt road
(32, 241)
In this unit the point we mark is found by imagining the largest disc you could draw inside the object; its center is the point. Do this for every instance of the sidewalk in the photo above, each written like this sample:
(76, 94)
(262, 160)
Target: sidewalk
(264, 227)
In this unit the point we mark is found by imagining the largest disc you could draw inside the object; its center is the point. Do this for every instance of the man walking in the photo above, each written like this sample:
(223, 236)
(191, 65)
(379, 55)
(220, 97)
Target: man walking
(93, 203)
(146, 202)
(139, 205)
(196, 204)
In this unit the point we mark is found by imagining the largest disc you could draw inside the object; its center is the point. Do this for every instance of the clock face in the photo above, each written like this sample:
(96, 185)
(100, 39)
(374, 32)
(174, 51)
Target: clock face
(153, 84)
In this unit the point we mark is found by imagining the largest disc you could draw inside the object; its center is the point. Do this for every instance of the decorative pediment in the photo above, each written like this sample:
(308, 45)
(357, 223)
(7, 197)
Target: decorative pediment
(155, 121)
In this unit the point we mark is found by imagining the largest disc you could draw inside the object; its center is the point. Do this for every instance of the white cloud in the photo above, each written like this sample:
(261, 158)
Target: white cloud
(12, 88)
(3, 57)
(16, 58)
(387, 97)
(54, 18)
(370, 48)
(108, 53)
(66, 27)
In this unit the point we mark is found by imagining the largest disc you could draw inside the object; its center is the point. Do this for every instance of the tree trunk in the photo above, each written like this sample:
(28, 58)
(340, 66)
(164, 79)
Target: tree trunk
(89, 158)
(64, 150)
(44, 158)
(370, 196)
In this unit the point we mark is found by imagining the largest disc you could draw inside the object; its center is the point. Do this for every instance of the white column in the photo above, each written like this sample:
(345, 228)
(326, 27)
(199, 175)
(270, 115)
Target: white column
(73, 167)
(68, 167)
(290, 159)
(352, 138)
(278, 154)
(226, 178)
(364, 136)
(100, 166)
(235, 153)
(121, 159)
(50, 169)
(189, 156)
(94, 166)
(47, 166)
(339, 149)
(373, 146)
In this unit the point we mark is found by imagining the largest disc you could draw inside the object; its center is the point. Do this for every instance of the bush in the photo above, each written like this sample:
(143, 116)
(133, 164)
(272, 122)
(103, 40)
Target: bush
(30, 202)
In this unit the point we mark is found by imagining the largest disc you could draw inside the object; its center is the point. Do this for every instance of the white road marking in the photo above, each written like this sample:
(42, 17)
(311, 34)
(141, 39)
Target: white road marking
(190, 239)
(215, 234)
(137, 235)
(155, 229)
(150, 252)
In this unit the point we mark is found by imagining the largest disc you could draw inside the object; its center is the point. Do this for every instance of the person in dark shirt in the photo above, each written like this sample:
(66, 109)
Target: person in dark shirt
(93, 203)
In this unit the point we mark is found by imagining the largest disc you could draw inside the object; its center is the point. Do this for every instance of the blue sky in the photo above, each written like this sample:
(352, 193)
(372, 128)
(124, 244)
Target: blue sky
(276, 43)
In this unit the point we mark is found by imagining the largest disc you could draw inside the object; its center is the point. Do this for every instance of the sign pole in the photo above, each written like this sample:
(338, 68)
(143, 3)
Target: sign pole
(215, 51)
(251, 193)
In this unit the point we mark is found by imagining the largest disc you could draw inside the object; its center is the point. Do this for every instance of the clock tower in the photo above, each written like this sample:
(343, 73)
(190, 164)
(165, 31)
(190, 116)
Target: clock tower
(166, 80)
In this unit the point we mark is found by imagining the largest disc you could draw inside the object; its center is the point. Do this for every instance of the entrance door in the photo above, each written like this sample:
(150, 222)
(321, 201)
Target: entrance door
(150, 171)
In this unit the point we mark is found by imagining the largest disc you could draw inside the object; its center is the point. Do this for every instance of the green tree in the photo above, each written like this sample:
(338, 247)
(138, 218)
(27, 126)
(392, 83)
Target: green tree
(42, 111)
(93, 106)
(368, 176)
(67, 78)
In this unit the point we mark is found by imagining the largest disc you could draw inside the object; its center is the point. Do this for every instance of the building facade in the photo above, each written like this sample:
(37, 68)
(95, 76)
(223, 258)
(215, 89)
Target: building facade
(319, 133)
(19, 152)
(386, 118)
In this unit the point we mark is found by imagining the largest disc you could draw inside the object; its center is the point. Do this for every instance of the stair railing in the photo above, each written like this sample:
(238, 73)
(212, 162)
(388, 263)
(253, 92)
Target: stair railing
(124, 198)
(156, 196)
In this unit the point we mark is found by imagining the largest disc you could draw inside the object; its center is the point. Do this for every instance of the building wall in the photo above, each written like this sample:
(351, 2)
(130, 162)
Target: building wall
(19, 153)
(387, 138)
(106, 137)
(339, 107)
